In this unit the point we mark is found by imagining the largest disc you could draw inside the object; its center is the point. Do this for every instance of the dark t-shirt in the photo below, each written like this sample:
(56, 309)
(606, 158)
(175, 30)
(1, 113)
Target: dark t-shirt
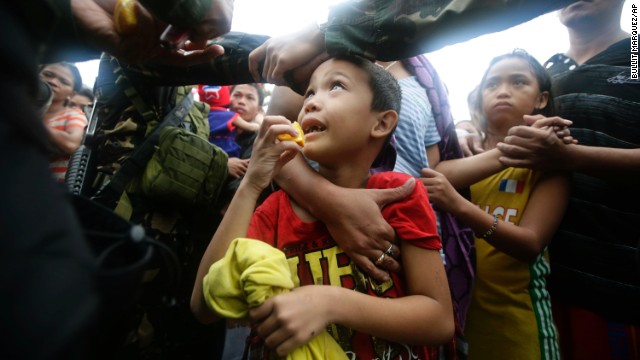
(594, 255)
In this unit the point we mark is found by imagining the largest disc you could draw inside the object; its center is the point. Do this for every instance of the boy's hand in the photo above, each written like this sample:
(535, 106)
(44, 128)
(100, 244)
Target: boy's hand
(270, 154)
(291, 320)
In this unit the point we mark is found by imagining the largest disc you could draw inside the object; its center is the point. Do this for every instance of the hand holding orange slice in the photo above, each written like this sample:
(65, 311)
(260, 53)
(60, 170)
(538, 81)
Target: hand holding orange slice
(298, 139)
(124, 17)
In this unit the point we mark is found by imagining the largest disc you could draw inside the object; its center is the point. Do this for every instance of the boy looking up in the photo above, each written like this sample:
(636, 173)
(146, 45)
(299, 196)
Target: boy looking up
(349, 113)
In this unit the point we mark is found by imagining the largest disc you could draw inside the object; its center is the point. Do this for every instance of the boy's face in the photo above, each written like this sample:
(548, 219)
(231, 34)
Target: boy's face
(336, 116)
(244, 101)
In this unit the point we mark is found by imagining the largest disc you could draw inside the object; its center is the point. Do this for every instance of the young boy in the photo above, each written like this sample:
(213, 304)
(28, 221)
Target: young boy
(349, 112)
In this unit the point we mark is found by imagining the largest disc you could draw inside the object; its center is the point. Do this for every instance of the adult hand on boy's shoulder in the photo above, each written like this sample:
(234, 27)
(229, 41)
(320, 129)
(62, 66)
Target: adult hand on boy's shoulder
(361, 231)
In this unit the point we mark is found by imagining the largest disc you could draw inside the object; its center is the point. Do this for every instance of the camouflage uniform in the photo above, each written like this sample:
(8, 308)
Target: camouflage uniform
(163, 327)
(393, 30)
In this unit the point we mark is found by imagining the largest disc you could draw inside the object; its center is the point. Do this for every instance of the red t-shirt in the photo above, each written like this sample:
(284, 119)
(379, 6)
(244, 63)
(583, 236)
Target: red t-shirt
(316, 258)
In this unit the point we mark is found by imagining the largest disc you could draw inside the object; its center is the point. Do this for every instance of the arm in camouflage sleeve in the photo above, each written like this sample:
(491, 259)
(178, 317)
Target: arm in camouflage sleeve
(230, 68)
(388, 30)
(392, 30)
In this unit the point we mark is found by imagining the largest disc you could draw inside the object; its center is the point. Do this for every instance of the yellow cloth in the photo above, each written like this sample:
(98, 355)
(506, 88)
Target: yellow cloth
(251, 272)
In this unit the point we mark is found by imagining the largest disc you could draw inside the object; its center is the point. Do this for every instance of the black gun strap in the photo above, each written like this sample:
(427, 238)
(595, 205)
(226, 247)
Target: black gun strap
(132, 166)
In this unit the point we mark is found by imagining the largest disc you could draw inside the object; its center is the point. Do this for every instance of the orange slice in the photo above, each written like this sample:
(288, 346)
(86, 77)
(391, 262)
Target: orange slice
(298, 139)
(124, 17)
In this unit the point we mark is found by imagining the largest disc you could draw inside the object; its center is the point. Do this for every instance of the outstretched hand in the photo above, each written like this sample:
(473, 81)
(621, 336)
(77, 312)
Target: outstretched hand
(289, 60)
(357, 225)
(95, 23)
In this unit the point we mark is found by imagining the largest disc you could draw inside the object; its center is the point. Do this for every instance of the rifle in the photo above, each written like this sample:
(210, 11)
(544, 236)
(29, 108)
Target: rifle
(81, 169)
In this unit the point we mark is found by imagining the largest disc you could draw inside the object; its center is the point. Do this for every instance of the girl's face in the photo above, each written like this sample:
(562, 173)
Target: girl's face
(510, 91)
(60, 79)
(244, 101)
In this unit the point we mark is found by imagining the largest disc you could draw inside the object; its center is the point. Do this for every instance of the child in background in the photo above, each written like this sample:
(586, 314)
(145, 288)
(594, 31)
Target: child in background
(223, 123)
(349, 113)
(82, 100)
(65, 125)
(514, 213)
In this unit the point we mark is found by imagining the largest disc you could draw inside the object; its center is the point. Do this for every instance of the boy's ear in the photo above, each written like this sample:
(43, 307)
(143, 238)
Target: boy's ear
(385, 124)
(542, 100)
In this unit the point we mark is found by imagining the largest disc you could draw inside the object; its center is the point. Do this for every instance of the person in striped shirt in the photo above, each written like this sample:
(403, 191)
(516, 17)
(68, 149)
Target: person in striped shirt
(514, 213)
(65, 125)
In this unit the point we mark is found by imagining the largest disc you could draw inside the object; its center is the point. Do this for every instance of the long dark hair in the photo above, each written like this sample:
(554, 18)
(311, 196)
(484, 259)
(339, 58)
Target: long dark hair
(75, 73)
(540, 73)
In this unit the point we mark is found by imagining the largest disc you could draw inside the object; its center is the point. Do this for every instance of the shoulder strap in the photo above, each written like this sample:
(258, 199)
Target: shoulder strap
(137, 161)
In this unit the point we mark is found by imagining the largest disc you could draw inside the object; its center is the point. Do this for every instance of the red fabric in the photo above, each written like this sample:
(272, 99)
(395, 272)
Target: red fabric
(319, 260)
(585, 335)
(214, 95)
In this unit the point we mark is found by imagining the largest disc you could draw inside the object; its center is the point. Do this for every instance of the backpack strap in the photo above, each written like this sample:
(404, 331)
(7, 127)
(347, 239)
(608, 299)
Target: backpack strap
(122, 80)
(136, 162)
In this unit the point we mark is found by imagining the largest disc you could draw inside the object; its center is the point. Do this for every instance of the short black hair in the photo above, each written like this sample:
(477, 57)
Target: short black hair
(86, 91)
(385, 90)
(386, 95)
(259, 89)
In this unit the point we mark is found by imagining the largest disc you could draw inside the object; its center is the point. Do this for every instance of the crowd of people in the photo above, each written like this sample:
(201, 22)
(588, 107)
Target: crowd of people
(387, 233)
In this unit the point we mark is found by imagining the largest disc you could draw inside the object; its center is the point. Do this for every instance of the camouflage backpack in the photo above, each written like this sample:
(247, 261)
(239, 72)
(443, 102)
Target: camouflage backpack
(173, 163)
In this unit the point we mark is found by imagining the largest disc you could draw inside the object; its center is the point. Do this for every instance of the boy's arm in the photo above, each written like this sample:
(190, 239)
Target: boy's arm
(290, 320)
(424, 316)
(268, 157)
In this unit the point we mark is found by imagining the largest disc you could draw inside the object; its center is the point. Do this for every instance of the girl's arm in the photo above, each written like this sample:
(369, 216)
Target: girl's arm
(424, 316)
(469, 170)
(268, 157)
(541, 217)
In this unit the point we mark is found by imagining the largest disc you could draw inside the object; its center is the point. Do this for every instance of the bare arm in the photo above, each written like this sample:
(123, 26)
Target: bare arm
(246, 125)
(67, 140)
(537, 146)
(469, 170)
(425, 316)
(269, 156)
(537, 225)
